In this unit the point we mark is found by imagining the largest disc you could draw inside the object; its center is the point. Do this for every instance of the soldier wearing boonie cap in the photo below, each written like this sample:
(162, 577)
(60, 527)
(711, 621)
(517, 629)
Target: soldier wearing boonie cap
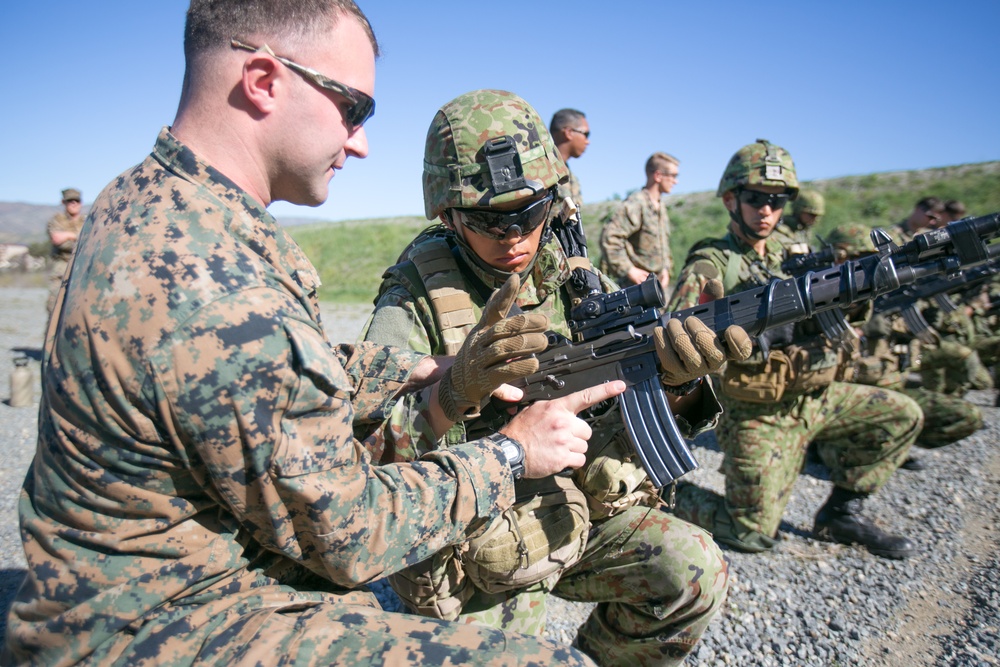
(63, 230)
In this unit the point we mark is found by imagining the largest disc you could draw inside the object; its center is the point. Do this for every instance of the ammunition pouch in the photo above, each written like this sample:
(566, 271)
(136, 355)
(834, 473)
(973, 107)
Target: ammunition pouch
(792, 371)
(613, 478)
(544, 533)
(436, 587)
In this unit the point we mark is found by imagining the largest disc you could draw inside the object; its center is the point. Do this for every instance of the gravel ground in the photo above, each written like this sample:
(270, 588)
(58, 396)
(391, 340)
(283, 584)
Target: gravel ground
(807, 603)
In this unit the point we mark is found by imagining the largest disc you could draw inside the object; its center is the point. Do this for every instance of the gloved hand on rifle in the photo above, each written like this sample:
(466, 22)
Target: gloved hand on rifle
(498, 350)
(688, 350)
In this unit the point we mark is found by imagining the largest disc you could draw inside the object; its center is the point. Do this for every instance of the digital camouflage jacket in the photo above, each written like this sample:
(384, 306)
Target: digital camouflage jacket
(196, 456)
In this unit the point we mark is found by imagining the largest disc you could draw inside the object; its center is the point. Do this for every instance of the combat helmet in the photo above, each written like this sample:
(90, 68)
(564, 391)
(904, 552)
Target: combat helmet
(854, 239)
(809, 201)
(760, 163)
(484, 148)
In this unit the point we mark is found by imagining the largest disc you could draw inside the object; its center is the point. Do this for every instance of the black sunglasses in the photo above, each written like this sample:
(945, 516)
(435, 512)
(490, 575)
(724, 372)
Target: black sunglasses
(497, 224)
(362, 105)
(758, 199)
(585, 134)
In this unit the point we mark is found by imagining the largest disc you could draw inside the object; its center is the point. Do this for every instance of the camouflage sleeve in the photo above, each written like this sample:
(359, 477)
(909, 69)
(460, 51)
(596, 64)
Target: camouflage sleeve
(401, 320)
(261, 407)
(691, 282)
(616, 232)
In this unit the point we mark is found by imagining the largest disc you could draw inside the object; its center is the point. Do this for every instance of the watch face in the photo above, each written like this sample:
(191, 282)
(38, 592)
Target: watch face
(512, 452)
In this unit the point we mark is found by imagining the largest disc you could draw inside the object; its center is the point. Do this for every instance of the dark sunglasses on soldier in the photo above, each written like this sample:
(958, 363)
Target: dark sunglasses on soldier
(362, 105)
(758, 199)
(497, 225)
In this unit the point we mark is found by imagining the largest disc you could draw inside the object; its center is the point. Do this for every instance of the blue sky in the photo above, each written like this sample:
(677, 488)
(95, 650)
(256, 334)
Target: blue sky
(847, 87)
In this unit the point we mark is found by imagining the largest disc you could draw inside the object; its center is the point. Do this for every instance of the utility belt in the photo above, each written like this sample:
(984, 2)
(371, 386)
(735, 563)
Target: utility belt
(786, 373)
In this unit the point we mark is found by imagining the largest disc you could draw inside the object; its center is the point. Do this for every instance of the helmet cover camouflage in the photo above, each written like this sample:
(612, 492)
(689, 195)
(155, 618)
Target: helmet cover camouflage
(809, 201)
(853, 238)
(760, 163)
(456, 171)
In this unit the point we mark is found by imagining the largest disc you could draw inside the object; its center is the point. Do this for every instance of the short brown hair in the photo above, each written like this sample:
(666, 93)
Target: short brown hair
(211, 24)
(658, 162)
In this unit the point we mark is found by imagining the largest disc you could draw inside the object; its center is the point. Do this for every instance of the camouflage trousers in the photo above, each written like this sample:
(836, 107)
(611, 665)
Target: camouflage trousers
(658, 581)
(953, 368)
(862, 433)
(947, 419)
(275, 626)
(56, 273)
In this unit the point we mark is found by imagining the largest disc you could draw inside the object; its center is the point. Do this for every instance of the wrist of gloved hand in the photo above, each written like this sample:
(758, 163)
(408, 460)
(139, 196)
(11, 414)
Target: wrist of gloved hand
(689, 350)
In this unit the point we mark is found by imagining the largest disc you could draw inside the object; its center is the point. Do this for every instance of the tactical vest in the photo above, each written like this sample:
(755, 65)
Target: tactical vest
(546, 530)
(807, 363)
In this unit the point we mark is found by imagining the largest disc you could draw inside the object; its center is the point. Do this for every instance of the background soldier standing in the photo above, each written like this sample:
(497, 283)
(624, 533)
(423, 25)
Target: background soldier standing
(63, 229)
(635, 239)
(776, 405)
(658, 580)
(571, 133)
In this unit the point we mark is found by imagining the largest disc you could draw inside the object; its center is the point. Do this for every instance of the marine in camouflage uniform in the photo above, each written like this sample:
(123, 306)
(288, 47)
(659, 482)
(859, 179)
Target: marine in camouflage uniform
(635, 238)
(63, 230)
(197, 496)
(775, 407)
(570, 132)
(657, 580)
(947, 418)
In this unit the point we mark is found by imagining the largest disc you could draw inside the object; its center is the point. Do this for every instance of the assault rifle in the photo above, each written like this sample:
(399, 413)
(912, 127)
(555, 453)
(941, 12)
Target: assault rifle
(613, 333)
(833, 323)
(904, 301)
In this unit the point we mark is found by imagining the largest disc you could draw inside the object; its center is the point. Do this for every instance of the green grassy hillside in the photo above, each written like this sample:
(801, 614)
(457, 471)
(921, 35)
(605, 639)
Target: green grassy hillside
(351, 255)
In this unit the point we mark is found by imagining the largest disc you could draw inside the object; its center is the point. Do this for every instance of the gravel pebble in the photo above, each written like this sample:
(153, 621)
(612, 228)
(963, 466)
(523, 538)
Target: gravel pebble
(805, 603)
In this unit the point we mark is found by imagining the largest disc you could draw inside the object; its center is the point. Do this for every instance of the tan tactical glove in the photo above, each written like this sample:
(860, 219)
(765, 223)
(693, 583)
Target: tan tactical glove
(690, 349)
(497, 350)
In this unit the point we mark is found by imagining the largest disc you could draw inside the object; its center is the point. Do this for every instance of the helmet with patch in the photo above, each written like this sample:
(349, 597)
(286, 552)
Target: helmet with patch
(809, 201)
(484, 148)
(760, 163)
(853, 238)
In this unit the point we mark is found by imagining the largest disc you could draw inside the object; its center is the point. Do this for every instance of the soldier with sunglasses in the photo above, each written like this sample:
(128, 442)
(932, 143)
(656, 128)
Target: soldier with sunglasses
(491, 173)
(787, 394)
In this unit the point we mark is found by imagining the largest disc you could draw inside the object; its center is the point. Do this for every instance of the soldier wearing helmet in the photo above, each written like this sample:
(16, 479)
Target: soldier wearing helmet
(787, 394)
(491, 172)
(799, 225)
(887, 359)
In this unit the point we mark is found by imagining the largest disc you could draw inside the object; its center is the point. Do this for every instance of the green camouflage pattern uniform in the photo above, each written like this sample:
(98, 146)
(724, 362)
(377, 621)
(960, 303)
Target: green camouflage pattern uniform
(657, 580)
(197, 496)
(952, 365)
(62, 253)
(636, 234)
(863, 433)
(947, 418)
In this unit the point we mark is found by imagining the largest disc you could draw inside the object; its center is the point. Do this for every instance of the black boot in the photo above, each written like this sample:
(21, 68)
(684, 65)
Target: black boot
(840, 520)
(914, 464)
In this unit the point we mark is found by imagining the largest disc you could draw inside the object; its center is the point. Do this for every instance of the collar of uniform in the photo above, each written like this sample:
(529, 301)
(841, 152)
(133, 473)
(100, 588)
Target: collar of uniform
(251, 222)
